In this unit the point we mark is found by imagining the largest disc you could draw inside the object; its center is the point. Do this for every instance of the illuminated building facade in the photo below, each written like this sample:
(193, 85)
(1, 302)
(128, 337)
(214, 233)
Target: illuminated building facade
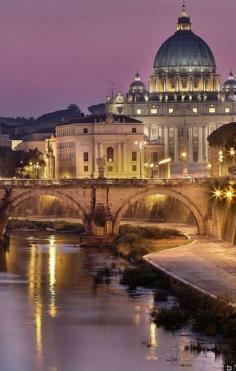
(110, 146)
(185, 102)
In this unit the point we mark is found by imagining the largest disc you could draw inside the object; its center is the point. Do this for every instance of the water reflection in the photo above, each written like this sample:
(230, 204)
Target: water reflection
(51, 319)
(35, 283)
(52, 277)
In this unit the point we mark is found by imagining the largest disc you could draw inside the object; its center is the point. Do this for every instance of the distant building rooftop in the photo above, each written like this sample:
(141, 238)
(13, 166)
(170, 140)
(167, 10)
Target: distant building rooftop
(110, 118)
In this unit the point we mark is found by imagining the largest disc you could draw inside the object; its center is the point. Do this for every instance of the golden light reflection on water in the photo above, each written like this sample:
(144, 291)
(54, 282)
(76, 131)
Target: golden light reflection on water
(153, 344)
(52, 277)
(35, 269)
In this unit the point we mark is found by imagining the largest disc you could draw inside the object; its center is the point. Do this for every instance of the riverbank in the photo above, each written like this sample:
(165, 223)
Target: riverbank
(54, 225)
(135, 241)
(207, 266)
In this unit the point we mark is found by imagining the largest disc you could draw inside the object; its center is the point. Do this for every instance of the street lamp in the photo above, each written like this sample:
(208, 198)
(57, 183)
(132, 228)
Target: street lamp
(183, 156)
(220, 162)
(109, 161)
(141, 145)
(168, 162)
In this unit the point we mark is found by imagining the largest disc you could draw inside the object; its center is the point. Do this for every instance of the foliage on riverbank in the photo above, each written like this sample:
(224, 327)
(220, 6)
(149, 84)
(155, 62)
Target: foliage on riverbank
(133, 242)
(206, 314)
(143, 276)
(57, 225)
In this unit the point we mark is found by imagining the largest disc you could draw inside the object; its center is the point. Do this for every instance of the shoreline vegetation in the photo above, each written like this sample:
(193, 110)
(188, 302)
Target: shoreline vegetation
(60, 226)
(214, 318)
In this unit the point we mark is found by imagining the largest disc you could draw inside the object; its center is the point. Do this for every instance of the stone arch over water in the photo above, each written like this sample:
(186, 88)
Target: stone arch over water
(61, 195)
(193, 208)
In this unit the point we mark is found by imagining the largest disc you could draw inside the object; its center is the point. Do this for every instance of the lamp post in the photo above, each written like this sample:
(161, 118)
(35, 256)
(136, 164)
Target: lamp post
(109, 161)
(220, 162)
(166, 161)
(183, 156)
(141, 145)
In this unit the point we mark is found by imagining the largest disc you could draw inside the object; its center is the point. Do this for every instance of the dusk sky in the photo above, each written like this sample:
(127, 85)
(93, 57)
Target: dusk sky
(57, 52)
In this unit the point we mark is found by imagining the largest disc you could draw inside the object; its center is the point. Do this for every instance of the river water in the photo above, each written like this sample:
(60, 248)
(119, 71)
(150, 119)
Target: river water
(54, 317)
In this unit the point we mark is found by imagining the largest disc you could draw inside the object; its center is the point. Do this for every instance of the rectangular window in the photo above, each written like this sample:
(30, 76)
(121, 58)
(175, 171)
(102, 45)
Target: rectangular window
(85, 169)
(139, 111)
(153, 110)
(86, 156)
(195, 156)
(154, 156)
(171, 110)
(212, 109)
(134, 168)
(110, 168)
(134, 130)
(85, 130)
(195, 110)
(227, 110)
(134, 156)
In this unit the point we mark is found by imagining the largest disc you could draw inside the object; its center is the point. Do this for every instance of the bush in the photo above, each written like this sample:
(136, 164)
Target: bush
(171, 319)
(160, 295)
(143, 276)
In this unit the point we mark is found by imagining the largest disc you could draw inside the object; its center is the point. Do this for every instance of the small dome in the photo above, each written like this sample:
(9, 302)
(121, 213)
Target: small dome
(230, 84)
(184, 51)
(137, 86)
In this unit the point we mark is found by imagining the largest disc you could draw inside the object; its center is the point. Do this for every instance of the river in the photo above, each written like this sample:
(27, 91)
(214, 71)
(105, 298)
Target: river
(54, 317)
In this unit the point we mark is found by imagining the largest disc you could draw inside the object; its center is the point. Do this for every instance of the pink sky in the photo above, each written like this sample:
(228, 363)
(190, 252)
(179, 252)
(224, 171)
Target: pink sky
(56, 52)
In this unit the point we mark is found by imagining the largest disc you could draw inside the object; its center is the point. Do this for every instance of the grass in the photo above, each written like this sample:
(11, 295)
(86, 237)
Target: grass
(133, 242)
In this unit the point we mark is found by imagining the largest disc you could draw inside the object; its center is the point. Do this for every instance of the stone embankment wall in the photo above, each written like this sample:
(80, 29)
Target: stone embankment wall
(224, 221)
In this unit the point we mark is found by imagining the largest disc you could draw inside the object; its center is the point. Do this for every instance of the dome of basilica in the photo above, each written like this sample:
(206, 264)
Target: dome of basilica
(137, 86)
(230, 84)
(184, 51)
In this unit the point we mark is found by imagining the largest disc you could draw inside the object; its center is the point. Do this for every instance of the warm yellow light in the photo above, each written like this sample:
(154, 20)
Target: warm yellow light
(165, 161)
(229, 194)
(232, 152)
(218, 193)
(183, 154)
(209, 166)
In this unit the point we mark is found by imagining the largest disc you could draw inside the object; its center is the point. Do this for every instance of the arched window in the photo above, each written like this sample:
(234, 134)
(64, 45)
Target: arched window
(110, 154)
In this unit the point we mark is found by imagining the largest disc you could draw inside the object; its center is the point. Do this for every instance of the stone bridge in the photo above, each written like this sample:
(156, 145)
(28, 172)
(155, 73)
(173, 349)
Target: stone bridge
(102, 203)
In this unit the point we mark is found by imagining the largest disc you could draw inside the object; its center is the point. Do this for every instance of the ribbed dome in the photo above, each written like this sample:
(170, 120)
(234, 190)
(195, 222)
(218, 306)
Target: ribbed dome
(230, 84)
(137, 85)
(184, 51)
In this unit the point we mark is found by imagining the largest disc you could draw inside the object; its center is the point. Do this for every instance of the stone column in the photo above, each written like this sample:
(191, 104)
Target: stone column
(101, 150)
(96, 155)
(190, 145)
(119, 160)
(166, 141)
(124, 158)
(206, 133)
(176, 146)
(200, 147)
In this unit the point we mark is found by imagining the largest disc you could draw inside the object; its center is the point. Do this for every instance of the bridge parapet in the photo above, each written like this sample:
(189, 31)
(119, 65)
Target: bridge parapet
(102, 182)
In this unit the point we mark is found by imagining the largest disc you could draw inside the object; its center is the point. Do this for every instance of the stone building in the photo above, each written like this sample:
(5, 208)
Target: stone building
(223, 151)
(185, 101)
(110, 146)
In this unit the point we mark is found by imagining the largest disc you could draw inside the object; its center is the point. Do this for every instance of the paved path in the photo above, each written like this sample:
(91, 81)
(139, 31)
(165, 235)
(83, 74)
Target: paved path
(208, 265)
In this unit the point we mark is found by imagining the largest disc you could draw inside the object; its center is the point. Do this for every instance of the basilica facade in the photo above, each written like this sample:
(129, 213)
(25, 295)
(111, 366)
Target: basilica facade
(185, 101)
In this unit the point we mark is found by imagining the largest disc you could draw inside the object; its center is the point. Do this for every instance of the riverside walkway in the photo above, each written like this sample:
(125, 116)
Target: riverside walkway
(209, 266)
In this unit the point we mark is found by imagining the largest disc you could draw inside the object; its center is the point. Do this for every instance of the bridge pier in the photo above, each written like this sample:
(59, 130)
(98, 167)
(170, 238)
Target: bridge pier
(5, 206)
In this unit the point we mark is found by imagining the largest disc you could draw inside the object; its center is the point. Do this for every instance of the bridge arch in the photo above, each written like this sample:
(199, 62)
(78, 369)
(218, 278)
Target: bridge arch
(35, 192)
(198, 216)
